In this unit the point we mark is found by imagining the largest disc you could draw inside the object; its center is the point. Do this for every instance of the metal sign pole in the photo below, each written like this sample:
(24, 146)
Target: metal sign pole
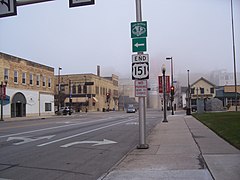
(142, 109)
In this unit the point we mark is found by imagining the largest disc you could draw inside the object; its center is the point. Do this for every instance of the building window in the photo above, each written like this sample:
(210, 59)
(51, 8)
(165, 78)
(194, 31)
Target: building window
(74, 89)
(44, 81)
(192, 90)
(202, 90)
(97, 90)
(31, 79)
(212, 90)
(6, 74)
(38, 80)
(85, 89)
(62, 88)
(23, 78)
(49, 82)
(15, 77)
(79, 89)
(48, 107)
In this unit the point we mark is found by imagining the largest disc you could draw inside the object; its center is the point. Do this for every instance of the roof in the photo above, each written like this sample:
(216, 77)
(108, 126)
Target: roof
(203, 80)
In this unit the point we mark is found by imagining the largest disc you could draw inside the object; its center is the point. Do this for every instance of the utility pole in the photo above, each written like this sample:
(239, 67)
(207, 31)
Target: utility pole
(141, 100)
(164, 96)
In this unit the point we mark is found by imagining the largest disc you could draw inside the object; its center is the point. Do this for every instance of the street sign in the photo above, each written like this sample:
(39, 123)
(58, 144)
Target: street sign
(140, 71)
(139, 58)
(6, 100)
(27, 2)
(139, 29)
(8, 8)
(75, 3)
(140, 88)
(139, 45)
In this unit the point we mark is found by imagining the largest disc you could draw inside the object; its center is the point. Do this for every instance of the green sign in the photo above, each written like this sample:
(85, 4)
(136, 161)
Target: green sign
(139, 45)
(6, 100)
(139, 29)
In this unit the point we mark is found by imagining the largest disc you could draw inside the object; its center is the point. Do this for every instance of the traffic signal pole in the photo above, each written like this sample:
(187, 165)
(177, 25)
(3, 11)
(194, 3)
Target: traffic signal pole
(141, 100)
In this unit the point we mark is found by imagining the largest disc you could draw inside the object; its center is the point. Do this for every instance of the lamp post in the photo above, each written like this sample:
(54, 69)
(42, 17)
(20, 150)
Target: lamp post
(188, 97)
(172, 95)
(59, 70)
(3, 94)
(85, 91)
(164, 94)
(234, 57)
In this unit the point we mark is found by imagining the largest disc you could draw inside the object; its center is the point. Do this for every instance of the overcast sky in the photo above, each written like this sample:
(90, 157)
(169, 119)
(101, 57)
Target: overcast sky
(196, 33)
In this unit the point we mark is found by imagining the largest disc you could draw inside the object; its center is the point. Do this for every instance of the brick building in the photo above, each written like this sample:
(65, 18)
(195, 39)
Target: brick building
(86, 91)
(30, 87)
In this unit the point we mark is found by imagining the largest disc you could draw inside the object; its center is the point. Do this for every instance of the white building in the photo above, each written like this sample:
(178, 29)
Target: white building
(30, 87)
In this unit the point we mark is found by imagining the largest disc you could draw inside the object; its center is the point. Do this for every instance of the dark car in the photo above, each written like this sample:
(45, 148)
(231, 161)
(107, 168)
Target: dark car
(64, 111)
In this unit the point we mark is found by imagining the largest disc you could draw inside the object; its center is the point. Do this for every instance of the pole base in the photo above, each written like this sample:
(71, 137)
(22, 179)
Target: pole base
(188, 112)
(165, 121)
(143, 146)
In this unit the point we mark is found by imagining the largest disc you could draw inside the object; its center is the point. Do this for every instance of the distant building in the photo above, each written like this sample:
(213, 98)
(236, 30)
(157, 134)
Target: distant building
(202, 89)
(86, 92)
(228, 96)
(127, 93)
(222, 78)
(30, 87)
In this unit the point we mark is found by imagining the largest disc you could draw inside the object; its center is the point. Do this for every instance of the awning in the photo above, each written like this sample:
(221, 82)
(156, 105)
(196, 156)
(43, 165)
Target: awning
(76, 99)
(95, 99)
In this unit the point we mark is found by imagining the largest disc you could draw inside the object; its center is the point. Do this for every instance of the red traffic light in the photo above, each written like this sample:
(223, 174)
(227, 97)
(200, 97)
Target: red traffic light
(172, 90)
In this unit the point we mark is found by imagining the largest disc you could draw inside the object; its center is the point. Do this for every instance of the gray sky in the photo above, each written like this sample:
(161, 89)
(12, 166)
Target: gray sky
(196, 33)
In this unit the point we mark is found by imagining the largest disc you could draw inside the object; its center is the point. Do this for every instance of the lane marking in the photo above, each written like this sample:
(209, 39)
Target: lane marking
(86, 132)
(25, 140)
(56, 127)
(95, 143)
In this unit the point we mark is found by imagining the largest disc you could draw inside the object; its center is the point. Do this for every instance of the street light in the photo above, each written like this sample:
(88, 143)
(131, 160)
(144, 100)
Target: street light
(172, 94)
(3, 94)
(59, 69)
(188, 97)
(234, 57)
(164, 94)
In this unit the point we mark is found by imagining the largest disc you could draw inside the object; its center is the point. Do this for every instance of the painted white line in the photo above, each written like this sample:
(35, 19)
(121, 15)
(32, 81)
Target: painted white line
(95, 143)
(25, 140)
(56, 127)
(86, 132)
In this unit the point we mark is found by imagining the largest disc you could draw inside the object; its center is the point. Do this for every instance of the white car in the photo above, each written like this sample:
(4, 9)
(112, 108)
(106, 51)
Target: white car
(131, 110)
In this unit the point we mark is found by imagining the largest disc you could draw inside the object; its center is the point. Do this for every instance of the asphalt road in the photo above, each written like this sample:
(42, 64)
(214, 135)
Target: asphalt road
(81, 146)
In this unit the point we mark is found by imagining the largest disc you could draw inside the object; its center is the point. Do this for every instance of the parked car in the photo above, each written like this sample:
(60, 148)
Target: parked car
(131, 110)
(64, 111)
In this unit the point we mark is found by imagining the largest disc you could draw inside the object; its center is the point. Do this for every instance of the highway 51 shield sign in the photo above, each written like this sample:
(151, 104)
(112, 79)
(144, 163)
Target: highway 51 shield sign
(140, 71)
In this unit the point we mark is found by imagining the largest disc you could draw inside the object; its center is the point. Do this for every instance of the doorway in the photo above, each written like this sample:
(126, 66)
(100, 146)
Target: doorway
(18, 105)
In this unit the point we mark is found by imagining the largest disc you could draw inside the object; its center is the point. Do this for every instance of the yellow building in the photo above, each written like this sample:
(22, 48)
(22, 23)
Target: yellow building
(30, 87)
(203, 89)
(88, 92)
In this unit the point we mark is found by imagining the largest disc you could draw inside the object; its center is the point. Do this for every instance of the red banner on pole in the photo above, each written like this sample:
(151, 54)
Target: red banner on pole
(160, 84)
(168, 89)
(4, 91)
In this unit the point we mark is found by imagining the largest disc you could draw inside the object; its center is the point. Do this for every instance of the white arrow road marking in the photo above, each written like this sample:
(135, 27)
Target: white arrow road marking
(95, 143)
(138, 45)
(86, 132)
(27, 139)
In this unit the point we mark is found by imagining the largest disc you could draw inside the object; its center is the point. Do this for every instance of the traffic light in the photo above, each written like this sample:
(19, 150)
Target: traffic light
(172, 91)
(108, 96)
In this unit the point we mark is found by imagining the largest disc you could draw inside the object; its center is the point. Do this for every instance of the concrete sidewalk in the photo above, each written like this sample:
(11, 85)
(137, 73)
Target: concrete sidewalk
(182, 149)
